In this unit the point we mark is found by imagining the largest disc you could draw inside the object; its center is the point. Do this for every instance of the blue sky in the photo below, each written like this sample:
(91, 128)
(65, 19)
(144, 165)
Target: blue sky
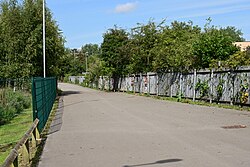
(85, 21)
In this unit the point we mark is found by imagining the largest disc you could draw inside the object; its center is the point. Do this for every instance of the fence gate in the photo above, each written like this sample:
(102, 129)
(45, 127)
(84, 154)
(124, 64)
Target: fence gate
(43, 98)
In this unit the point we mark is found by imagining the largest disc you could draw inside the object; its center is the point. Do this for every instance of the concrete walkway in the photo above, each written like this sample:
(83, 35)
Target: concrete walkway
(102, 129)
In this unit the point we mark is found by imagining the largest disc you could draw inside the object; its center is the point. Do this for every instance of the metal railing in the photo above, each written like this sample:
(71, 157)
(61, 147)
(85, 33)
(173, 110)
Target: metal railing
(43, 98)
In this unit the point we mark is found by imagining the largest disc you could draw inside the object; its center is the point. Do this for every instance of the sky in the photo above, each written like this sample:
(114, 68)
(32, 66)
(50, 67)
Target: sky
(85, 21)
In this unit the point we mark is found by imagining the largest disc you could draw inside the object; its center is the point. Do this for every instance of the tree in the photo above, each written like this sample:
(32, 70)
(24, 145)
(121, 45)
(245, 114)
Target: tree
(91, 49)
(11, 39)
(215, 45)
(143, 39)
(238, 59)
(87, 51)
(174, 49)
(95, 69)
(21, 45)
(114, 53)
(234, 33)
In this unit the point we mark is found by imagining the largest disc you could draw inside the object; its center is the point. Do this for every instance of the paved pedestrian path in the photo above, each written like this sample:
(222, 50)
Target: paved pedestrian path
(100, 129)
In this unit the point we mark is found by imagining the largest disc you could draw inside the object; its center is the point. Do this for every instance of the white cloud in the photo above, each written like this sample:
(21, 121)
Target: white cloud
(127, 7)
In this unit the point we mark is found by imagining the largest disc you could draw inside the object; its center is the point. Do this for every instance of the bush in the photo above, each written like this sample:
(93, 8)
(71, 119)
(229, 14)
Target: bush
(6, 114)
(13, 103)
(66, 78)
(2, 115)
(76, 81)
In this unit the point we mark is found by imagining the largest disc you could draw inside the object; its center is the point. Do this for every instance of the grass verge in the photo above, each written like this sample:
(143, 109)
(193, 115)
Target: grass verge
(198, 102)
(12, 132)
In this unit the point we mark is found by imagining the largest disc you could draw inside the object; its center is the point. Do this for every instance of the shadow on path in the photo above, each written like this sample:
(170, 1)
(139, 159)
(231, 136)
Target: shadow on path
(57, 120)
(78, 102)
(67, 93)
(157, 162)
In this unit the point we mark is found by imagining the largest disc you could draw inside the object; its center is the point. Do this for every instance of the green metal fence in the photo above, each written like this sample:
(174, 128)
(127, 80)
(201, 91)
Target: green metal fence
(43, 98)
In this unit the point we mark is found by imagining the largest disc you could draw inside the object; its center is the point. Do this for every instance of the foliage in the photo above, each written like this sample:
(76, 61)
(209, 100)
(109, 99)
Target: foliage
(238, 59)
(233, 33)
(95, 69)
(13, 131)
(174, 50)
(21, 47)
(114, 53)
(202, 88)
(12, 103)
(66, 63)
(114, 50)
(214, 44)
(243, 93)
(179, 96)
(90, 49)
(66, 78)
(158, 47)
(143, 39)
(220, 89)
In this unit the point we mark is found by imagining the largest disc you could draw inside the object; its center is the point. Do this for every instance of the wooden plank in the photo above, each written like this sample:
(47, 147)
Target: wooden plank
(12, 159)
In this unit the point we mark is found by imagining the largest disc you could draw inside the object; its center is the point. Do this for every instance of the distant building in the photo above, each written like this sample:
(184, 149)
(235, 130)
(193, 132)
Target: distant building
(243, 45)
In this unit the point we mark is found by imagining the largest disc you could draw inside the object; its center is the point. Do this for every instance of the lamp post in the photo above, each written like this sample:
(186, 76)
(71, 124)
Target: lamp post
(44, 63)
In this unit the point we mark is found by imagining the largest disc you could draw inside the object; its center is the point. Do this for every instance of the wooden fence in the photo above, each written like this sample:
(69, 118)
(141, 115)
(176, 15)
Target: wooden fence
(224, 85)
(24, 150)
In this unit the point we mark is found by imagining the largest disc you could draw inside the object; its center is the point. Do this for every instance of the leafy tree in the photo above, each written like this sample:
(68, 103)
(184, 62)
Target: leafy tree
(234, 33)
(174, 50)
(91, 49)
(77, 65)
(65, 62)
(87, 51)
(238, 59)
(213, 46)
(95, 69)
(21, 40)
(114, 53)
(11, 38)
(143, 39)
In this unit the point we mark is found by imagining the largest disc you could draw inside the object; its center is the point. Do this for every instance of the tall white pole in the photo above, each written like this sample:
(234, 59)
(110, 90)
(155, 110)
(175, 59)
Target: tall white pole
(44, 63)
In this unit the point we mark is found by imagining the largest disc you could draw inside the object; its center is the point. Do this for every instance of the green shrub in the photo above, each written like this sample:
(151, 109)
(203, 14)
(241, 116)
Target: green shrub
(76, 81)
(2, 115)
(6, 114)
(66, 78)
(13, 103)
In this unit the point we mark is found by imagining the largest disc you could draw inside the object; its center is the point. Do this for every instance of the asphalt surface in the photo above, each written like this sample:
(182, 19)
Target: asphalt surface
(100, 129)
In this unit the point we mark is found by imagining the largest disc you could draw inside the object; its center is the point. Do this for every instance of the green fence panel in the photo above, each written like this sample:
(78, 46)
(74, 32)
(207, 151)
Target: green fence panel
(43, 98)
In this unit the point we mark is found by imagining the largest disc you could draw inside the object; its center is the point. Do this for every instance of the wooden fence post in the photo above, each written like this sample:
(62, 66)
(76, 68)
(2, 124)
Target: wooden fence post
(211, 86)
(180, 85)
(194, 84)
